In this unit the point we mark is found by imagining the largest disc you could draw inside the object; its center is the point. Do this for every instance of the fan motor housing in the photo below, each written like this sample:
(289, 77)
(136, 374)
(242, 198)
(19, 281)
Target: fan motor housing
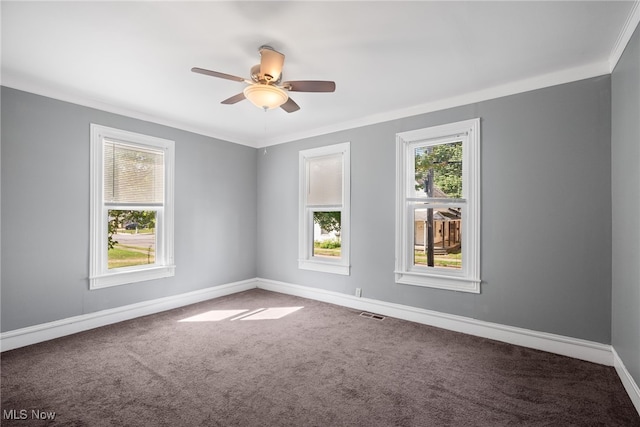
(259, 78)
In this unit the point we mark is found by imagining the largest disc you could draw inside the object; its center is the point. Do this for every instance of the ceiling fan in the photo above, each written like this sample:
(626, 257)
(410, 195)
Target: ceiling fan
(266, 89)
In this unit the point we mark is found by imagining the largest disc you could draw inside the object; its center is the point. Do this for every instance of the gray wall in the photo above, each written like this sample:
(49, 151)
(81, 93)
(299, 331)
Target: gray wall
(625, 156)
(45, 212)
(546, 206)
(546, 227)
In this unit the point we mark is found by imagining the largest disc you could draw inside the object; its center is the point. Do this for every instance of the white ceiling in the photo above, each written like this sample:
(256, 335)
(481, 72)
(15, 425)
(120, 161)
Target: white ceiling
(388, 59)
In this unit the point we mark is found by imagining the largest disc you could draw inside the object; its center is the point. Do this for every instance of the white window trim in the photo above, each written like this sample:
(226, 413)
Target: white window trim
(306, 260)
(99, 275)
(468, 278)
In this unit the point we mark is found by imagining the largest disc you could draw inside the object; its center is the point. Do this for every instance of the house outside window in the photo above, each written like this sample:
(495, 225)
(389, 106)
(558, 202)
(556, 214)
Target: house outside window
(324, 209)
(438, 207)
(131, 207)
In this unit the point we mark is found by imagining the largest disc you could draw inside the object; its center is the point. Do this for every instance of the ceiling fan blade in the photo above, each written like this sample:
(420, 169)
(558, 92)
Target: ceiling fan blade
(217, 74)
(310, 86)
(290, 106)
(235, 98)
(271, 63)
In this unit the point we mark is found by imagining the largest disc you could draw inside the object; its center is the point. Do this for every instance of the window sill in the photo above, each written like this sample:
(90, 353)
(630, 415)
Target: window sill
(131, 276)
(325, 267)
(451, 283)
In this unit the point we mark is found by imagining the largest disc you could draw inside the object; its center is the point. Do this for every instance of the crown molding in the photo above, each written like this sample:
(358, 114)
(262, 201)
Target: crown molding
(60, 94)
(499, 91)
(625, 35)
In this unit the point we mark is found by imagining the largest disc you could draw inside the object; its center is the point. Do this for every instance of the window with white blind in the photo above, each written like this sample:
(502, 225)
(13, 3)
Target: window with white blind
(438, 207)
(324, 209)
(131, 207)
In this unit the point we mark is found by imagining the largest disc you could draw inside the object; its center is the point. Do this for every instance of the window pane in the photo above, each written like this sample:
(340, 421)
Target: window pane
(438, 171)
(132, 238)
(325, 180)
(326, 234)
(437, 237)
(132, 175)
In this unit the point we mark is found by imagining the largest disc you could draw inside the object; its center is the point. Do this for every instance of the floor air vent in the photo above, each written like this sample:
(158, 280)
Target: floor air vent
(371, 315)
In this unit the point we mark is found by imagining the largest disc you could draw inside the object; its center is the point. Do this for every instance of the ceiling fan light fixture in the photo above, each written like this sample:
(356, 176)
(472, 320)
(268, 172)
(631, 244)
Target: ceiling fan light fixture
(265, 89)
(265, 96)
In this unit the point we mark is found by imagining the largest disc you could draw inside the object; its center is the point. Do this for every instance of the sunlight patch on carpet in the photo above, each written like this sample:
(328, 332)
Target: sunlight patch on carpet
(213, 316)
(259, 314)
(272, 313)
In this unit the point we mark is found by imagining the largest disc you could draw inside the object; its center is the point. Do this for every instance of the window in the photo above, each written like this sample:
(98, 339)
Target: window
(131, 207)
(438, 207)
(324, 209)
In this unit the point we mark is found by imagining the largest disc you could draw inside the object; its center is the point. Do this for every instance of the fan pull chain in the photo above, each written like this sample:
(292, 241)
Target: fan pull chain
(265, 131)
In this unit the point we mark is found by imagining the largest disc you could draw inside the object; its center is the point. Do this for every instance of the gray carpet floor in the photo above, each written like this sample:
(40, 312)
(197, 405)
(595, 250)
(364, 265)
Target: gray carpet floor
(319, 365)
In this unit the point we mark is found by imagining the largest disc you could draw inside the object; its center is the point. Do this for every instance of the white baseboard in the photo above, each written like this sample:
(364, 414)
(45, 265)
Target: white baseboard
(627, 380)
(558, 344)
(59, 328)
(572, 347)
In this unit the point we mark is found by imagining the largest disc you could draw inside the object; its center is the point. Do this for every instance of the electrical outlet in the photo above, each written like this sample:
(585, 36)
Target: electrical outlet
(358, 292)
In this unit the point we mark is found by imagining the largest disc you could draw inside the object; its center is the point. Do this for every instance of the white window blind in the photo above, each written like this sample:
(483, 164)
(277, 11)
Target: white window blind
(325, 180)
(132, 194)
(132, 176)
(324, 207)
